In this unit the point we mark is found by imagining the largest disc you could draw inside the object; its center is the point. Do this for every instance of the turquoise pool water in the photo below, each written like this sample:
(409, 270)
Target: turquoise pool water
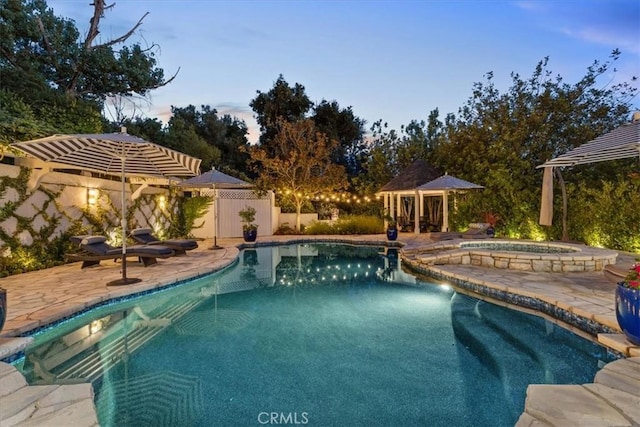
(323, 335)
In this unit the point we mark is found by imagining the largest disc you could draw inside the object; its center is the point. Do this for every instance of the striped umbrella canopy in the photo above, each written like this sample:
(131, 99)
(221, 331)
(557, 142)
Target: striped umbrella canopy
(110, 153)
(621, 143)
(114, 153)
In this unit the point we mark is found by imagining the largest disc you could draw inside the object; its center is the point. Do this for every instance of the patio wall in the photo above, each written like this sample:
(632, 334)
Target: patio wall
(290, 219)
(37, 204)
(230, 202)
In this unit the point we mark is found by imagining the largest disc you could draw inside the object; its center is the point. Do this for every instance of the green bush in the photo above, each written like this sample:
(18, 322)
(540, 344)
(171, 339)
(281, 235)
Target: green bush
(319, 227)
(356, 224)
(285, 229)
(607, 216)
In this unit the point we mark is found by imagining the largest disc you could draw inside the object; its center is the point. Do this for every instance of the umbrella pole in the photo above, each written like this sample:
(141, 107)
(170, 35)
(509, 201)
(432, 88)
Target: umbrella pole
(215, 219)
(124, 280)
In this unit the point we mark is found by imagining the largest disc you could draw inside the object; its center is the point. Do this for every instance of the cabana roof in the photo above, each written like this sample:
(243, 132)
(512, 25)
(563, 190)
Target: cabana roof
(418, 173)
(448, 182)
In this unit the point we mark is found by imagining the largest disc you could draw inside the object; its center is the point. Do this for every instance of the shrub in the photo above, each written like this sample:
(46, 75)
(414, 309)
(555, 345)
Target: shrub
(320, 227)
(285, 229)
(356, 224)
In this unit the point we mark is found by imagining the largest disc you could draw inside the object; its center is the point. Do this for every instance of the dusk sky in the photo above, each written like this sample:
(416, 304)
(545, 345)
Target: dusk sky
(389, 60)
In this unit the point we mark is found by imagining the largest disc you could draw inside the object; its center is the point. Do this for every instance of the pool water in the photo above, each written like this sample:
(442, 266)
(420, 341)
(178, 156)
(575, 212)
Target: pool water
(324, 335)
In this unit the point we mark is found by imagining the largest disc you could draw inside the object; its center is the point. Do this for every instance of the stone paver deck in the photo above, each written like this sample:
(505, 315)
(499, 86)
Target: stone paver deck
(39, 298)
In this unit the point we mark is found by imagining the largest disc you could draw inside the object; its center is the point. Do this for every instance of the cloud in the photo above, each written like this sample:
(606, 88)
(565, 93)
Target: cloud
(604, 37)
(611, 23)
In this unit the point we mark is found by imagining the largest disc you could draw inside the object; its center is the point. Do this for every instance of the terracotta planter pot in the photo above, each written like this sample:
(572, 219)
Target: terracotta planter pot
(628, 312)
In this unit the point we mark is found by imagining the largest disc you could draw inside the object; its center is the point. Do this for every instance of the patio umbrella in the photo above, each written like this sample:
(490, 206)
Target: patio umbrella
(447, 183)
(621, 143)
(113, 153)
(215, 179)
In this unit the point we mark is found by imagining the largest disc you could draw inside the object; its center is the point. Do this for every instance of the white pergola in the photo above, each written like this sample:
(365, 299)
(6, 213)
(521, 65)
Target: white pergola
(443, 186)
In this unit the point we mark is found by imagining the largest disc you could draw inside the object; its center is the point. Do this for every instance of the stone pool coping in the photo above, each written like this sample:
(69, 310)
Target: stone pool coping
(578, 258)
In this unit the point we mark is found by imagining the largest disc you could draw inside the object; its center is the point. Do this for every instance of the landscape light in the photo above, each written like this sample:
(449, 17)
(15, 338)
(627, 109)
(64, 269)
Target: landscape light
(92, 196)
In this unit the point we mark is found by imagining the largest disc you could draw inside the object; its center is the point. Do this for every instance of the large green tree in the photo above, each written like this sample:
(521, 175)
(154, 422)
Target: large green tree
(281, 103)
(342, 125)
(389, 152)
(62, 77)
(218, 139)
(40, 50)
(498, 139)
(284, 102)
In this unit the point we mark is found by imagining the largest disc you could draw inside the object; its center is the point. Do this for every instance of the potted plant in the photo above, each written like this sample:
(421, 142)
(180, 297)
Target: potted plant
(392, 227)
(628, 304)
(491, 219)
(249, 229)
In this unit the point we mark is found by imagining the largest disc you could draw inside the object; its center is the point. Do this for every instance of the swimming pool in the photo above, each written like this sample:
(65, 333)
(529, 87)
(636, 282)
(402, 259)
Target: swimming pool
(318, 334)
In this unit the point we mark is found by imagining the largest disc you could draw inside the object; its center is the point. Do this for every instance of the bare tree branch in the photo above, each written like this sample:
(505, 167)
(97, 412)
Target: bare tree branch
(126, 35)
(98, 13)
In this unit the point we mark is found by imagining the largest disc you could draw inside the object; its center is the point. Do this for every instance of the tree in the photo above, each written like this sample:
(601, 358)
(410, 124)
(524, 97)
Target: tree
(498, 139)
(183, 135)
(299, 163)
(62, 78)
(281, 103)
(224, 135)
(381, 163)
(345, 127)
(40, 51)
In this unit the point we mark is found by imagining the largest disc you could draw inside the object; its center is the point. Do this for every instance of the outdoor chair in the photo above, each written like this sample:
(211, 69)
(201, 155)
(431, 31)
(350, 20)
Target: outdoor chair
(180, 246)
(94, 249)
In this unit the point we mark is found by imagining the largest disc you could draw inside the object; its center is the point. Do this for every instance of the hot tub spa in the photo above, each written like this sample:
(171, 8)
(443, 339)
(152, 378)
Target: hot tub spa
(523, 255)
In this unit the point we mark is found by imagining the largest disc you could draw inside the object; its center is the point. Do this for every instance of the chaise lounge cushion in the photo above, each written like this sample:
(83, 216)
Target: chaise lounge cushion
(92, 240)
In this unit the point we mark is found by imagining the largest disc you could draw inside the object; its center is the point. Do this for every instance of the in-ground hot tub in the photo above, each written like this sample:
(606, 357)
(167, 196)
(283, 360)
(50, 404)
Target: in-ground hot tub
(524, 255)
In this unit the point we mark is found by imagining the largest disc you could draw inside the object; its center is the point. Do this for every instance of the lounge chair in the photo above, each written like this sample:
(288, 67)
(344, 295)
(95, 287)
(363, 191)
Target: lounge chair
(180, 246)
(94, 249)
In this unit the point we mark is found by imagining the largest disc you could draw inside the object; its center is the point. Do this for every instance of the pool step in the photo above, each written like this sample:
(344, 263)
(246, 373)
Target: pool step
(486, 329)
(511, 360)
(543, 333)
(111, 351)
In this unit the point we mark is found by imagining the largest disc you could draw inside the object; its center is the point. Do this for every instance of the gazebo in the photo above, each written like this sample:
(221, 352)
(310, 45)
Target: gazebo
(444, 185)
(404, 197)
(400, 195)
